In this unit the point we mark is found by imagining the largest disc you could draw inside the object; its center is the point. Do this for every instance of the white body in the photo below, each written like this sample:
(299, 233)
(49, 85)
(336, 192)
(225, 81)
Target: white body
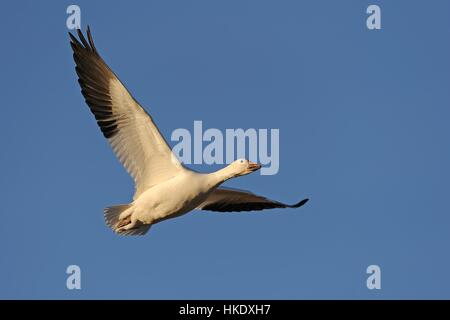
(172, 198)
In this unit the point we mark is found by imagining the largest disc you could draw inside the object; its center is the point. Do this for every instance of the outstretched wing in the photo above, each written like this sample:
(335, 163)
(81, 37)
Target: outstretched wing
(226, 200)
(130, 130)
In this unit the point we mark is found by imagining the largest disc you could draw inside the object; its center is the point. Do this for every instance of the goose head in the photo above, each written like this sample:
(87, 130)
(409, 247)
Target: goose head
(237, 168)
(242, 167)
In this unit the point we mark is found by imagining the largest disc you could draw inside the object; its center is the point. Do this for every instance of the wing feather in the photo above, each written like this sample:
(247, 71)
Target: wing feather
(228, 200)
(130, 130)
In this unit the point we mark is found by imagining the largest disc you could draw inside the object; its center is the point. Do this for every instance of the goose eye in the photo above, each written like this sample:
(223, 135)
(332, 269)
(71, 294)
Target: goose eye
(242, 161)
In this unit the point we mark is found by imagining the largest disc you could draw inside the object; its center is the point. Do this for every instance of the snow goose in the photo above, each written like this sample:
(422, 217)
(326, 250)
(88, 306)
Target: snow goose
(164, 188)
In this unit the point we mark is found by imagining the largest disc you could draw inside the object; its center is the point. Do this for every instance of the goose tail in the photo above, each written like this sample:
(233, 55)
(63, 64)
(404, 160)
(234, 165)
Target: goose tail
(119, 217)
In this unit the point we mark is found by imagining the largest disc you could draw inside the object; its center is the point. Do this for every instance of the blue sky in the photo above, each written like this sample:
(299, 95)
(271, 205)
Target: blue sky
(364, 132)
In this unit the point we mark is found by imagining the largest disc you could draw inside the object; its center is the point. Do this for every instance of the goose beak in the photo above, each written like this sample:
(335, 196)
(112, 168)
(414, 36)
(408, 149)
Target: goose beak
(253, 166)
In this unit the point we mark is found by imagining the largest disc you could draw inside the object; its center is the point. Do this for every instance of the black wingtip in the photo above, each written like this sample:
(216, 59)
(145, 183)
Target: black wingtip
(82, 42)
(301, 203)
(91, 41)
(72, 37)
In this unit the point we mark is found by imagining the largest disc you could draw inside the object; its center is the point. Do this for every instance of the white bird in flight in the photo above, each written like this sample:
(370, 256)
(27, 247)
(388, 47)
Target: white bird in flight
(164, 188)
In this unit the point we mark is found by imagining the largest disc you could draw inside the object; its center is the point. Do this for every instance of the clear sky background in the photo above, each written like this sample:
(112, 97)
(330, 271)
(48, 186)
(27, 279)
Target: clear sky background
(364, 133)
